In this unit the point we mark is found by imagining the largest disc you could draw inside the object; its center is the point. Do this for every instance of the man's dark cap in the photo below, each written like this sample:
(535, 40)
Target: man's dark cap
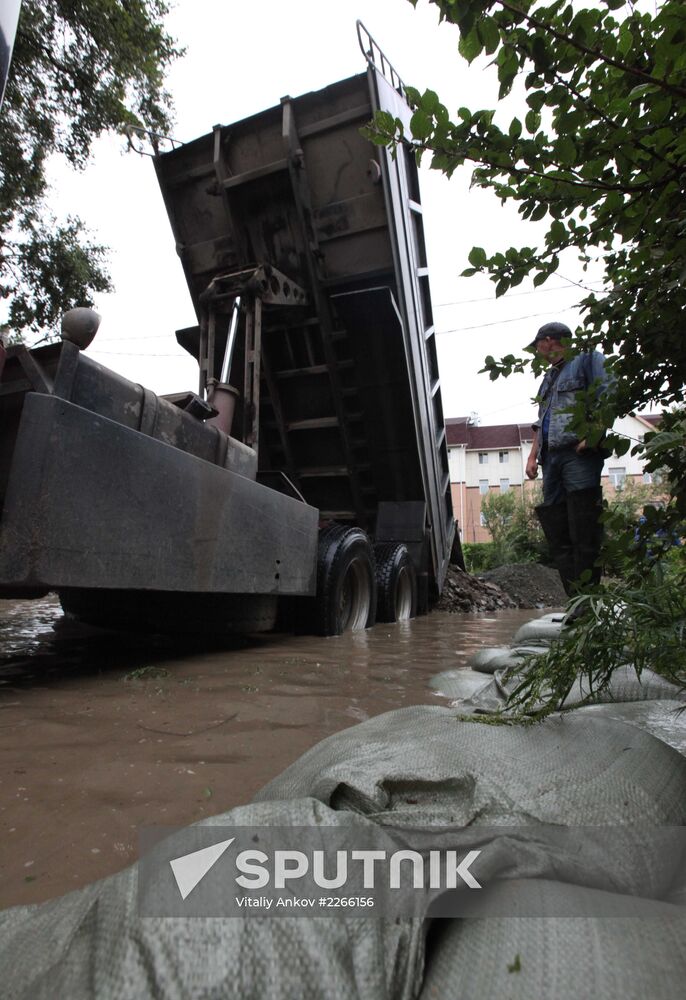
(558, 331)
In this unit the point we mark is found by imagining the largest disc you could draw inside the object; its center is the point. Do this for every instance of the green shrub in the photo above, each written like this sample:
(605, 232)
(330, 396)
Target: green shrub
(514, 528)
(479, 556)
(623, 514)
(639, 620)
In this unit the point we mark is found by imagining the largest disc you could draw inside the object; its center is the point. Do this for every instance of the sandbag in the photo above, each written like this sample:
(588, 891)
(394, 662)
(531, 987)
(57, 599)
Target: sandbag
(625, 686)
(574, 769)
(460, 683)
(664, 719)
(92, 943)
(417, 769)
(541, 630)
(487, 661)
(562, 957)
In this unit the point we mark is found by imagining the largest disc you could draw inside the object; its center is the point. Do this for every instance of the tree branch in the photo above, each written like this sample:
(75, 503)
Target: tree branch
(590, 106)
(595, 53)
(518, 172)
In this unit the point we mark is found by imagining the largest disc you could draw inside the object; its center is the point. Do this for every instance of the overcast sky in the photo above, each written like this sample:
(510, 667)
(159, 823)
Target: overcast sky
(242, 58)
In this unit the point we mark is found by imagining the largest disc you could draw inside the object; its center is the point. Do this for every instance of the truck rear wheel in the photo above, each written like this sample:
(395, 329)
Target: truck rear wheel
(396, 583)
(346, 581)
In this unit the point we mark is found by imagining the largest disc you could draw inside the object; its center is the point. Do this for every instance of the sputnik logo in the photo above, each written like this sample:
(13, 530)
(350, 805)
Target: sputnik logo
(399, 869)
(190, 869)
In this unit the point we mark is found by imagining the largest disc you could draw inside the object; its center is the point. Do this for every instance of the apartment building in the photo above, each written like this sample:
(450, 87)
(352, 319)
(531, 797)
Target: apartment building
(483, 459)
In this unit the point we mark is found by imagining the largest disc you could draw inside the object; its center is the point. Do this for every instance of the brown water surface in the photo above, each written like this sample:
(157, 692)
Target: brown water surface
(102, 733)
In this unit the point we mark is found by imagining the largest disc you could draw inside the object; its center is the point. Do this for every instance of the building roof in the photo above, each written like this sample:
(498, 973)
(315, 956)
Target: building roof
(459, 431)
(497, 436)
(526, 432)
(650, 418)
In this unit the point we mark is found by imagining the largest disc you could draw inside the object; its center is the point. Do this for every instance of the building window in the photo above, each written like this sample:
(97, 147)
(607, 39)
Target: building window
(482, 519)
(617, 475)
(483, 486)
(483, 458)
(648, 478)
(503, 457)
(504, 485)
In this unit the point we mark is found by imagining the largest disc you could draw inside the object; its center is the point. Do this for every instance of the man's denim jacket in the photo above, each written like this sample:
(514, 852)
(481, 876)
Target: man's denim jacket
(558, 391)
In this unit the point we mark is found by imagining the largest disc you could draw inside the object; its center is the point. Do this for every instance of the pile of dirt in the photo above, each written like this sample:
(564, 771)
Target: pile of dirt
(529, 585)
(463, 592)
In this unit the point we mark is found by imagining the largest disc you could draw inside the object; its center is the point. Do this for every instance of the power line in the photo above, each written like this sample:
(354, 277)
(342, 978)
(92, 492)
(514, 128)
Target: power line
(510, 407)
(512, 295)
(502, 322)
(133, 354)
(130, 340)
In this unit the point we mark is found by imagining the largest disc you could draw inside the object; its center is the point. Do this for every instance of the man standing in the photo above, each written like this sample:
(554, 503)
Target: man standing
(572, 494)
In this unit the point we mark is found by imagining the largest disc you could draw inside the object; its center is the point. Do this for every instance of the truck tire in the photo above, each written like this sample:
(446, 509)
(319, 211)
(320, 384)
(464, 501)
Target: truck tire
(346, 581)
(396, 583)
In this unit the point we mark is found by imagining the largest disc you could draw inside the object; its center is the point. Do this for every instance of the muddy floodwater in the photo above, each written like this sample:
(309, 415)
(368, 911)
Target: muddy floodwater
(103, 733)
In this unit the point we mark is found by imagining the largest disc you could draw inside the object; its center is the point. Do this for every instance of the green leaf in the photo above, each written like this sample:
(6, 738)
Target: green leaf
(566, 151)
(515, 129)
(413, 96)
(536, 100)
(429, 101)
(532, 121)
(489, 34)
(641, 90)
(421, 125)
(385, 122)
(470, 46)
(540, 54)
(477, 257)
(625, 40)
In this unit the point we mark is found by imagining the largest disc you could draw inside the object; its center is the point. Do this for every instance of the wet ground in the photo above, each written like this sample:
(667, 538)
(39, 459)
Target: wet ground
(103, 733)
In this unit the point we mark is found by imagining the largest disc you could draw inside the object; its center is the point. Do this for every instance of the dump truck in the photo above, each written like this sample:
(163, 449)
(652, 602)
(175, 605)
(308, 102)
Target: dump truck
(304, 482)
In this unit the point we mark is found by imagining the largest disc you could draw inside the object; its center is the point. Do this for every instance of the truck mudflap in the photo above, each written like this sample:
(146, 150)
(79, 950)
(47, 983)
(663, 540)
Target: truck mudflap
(93, 504)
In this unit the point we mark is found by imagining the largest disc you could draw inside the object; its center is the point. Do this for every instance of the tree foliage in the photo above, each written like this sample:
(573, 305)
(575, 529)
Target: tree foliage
(79, 70)
(515, 532)
(642, 623)
(599, 153)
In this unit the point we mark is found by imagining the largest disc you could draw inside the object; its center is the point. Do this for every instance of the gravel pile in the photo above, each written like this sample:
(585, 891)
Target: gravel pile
(529, 585)
(463, 592)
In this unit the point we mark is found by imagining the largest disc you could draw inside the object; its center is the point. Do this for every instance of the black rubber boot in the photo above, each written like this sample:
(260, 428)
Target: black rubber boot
(586, 530)
(554, 520)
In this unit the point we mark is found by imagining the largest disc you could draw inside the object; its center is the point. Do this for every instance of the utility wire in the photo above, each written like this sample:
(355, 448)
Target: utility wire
(501, 322)
(512, 295)
(502, 409)
(135, 354)
(146, 336)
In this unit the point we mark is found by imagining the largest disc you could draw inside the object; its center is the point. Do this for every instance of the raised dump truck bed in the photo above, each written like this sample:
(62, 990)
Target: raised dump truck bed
(350, 402)
(311, 465)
